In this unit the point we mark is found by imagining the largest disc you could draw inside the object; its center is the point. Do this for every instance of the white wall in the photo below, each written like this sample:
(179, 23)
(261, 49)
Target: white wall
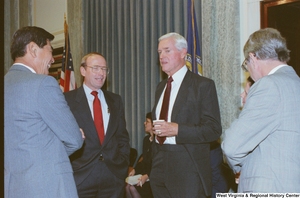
(249, 23)
(49, 14)
(249, 20)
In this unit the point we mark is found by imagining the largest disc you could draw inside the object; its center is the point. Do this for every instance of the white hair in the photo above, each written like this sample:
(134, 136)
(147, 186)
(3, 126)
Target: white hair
(180, 41)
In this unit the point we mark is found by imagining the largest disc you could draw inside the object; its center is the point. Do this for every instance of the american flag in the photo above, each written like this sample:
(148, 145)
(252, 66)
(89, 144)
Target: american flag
(193, 58)
(67, 77)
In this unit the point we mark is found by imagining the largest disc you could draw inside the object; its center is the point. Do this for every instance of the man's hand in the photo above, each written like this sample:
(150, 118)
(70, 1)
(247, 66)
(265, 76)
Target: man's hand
(162, 128)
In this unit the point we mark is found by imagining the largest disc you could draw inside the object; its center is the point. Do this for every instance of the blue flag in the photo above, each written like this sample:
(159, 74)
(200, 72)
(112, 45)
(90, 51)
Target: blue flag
(193, 59)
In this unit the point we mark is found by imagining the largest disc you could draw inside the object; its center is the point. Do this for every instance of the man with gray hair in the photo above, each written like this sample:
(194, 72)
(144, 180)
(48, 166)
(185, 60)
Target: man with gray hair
(186, 119)
(263, 143)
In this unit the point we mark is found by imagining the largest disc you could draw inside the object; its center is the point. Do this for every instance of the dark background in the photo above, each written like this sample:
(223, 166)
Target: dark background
(285, 17)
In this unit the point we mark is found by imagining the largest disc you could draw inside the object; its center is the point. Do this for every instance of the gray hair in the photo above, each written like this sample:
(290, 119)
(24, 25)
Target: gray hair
(180, 41)
(267, 44)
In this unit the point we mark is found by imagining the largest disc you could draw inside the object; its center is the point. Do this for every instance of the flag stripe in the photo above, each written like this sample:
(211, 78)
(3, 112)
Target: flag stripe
(67, 77)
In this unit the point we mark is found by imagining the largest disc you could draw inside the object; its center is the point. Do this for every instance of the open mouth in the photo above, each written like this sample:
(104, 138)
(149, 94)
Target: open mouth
(99, 79)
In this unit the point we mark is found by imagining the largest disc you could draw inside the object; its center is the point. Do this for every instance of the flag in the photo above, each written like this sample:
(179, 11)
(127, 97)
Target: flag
(67, 77)
(193, 58)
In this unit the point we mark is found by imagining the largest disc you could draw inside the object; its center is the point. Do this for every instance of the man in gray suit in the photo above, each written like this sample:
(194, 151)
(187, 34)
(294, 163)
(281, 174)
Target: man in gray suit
(263, 143)
(40, 132)
(181, 163)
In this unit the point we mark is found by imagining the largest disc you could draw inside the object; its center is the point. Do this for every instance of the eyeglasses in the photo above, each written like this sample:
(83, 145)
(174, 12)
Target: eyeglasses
(96, 69)
(244, 65)
(245, 62)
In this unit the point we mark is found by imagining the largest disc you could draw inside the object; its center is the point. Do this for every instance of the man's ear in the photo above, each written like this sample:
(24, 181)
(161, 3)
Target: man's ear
(253, 60)
(252, 55)
(82, 71)
(32, 49)
(183, 53)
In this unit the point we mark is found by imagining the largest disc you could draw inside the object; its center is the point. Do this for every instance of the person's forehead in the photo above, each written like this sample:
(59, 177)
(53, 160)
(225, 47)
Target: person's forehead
(95, 58)
(166, 43)
(48, 44)
(47, 47)
(169, 40)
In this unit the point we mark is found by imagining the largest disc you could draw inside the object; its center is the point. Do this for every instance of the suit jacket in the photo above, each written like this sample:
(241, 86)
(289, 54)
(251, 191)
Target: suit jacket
(263, 143)
(115, 149)
(40, 132)
(144, 166)
(196, 111)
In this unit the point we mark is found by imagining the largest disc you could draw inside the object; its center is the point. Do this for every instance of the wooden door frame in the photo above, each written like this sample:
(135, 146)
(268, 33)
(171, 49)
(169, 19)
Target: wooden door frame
(264, 5)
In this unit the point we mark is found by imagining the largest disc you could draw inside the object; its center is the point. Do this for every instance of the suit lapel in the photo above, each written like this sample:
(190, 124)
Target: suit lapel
(113, 117)
(85, 113)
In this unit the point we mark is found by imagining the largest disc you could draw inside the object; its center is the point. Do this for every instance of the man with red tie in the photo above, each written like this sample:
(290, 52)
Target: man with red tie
(100, 166)
(185, 128)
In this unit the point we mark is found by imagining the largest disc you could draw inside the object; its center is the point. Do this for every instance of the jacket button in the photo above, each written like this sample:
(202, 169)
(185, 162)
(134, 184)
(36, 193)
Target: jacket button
(101, 157)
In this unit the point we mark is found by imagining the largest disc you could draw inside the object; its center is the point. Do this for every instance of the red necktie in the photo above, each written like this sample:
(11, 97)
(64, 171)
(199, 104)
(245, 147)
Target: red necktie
(98, 119)
(165, 107)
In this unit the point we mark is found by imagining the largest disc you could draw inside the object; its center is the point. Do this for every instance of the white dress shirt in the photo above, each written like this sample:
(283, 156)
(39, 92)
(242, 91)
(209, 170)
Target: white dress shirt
(275, 69)
(105, 109)
(25, 66)
(177, 80)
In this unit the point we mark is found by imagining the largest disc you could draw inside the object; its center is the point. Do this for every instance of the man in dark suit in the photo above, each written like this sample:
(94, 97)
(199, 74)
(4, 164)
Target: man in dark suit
(100, 166)
(181, 164)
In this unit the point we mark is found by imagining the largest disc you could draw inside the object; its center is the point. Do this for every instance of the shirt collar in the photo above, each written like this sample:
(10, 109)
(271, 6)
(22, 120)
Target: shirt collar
(275, 69)
(32, 70)
(179, 75)
(88, 92)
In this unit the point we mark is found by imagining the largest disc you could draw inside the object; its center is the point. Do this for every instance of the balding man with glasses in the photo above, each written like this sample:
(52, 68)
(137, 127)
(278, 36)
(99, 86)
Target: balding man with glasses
(100, 166)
